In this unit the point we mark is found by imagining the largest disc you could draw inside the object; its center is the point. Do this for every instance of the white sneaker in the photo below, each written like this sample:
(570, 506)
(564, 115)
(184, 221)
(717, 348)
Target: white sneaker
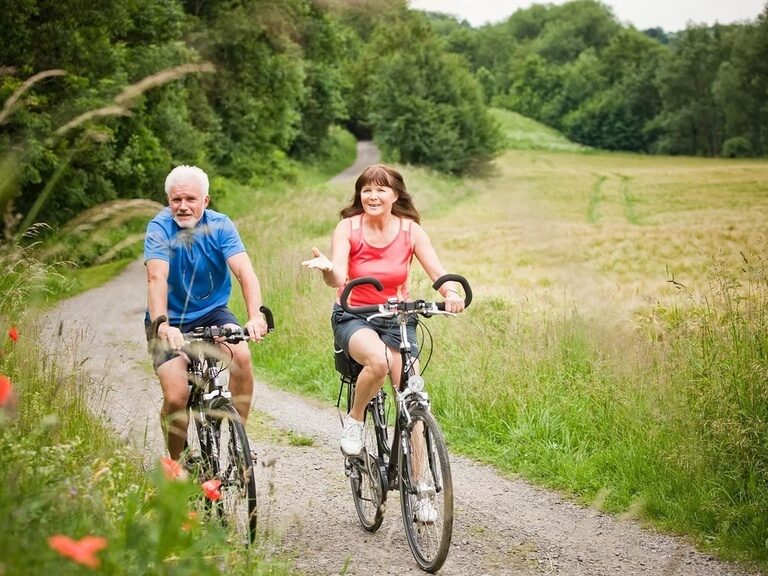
(423, 509)
(352, 438)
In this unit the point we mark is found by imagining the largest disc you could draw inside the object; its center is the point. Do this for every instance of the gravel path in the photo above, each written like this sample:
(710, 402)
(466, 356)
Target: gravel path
(502, 526)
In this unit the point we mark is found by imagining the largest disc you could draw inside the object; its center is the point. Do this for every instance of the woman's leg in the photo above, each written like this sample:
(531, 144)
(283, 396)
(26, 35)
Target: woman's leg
(368, 350)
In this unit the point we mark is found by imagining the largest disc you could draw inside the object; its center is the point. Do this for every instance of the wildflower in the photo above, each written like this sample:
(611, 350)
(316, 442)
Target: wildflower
(6, 390)
(82, 551)
(172, 469)
(211, 489)
(13, 333)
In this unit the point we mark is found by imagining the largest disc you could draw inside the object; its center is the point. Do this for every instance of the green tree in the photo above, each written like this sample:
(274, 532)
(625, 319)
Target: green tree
(325, 43)
(741, 87)
(618, 98)
(690, 121)
(101, 46)
(425, 105)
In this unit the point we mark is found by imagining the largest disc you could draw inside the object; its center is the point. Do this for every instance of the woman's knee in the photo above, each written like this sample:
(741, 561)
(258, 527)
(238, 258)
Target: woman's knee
(377, 365)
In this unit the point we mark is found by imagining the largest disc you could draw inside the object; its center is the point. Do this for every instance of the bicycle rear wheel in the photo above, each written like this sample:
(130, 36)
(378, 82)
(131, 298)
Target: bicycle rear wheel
(233, 466)
(426, 490)
(368, 489)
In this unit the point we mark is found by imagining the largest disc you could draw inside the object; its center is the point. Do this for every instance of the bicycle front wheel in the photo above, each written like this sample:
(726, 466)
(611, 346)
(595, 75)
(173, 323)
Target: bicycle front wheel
(426, 490)
(234, 467)
(368, 490)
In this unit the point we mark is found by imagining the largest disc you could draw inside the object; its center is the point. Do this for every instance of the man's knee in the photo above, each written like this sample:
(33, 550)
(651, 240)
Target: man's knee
(241, 359)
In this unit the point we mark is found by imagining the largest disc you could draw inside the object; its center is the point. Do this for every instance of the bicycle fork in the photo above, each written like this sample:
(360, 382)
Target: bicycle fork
(404, 446)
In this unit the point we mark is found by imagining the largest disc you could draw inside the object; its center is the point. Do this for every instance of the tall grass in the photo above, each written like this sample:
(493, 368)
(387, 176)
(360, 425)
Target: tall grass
(63, 474)
(671, 429)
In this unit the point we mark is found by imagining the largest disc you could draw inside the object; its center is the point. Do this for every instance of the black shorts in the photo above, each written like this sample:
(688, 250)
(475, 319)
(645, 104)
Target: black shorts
(161, 354)
(345, 324)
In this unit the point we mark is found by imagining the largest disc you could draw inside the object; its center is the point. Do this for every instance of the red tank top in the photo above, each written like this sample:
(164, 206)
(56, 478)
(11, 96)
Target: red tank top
(390, 264)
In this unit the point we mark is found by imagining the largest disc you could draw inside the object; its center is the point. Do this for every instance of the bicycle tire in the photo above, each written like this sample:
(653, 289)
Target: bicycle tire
(368, 489)
(429, 541)
(233, 466)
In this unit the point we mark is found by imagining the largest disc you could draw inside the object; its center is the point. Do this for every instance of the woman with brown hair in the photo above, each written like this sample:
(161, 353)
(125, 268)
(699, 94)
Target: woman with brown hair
(378, 235)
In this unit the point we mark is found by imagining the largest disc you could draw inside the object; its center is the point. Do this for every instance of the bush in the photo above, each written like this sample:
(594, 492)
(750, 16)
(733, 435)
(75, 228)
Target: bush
(737, 147)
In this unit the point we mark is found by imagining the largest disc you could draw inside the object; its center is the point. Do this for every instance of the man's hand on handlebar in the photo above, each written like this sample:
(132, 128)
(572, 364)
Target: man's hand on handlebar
(171, 335)
(256, 328)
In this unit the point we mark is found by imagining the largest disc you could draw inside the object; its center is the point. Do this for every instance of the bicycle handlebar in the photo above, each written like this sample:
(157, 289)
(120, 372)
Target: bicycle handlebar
(210, 333)
(400, 305)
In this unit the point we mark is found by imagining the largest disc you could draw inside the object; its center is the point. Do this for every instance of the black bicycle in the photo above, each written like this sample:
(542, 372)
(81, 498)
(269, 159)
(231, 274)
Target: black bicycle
(217, 448)
(415, 461)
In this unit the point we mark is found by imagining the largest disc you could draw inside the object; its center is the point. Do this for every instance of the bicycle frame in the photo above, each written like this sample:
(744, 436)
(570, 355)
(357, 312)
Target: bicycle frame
(224, 449)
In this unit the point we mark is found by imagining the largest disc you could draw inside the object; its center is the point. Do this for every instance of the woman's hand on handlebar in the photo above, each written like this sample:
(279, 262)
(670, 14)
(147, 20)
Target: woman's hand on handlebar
(454, 303)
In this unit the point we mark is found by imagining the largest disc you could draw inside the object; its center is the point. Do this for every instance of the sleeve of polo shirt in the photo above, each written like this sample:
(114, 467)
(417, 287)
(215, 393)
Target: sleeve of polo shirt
(229, 239)
(156, 243)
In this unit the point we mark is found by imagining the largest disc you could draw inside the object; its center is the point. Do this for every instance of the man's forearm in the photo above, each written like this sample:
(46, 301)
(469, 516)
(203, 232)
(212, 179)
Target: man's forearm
(251, 294)
(157, 299)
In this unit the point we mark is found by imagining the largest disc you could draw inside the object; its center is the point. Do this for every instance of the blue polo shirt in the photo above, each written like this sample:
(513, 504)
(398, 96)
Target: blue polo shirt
(198, 277)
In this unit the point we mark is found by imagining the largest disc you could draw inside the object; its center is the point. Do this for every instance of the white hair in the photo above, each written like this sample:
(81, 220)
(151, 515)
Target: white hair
(186, 174)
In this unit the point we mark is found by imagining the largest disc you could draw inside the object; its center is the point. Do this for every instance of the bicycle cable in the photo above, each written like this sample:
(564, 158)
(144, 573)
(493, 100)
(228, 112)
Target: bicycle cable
(426, 335)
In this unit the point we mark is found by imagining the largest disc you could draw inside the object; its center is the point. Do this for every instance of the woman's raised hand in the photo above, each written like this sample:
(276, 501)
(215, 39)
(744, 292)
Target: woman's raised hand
(319, 261)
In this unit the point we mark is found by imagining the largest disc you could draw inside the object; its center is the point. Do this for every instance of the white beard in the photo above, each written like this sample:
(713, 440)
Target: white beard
(186, 223)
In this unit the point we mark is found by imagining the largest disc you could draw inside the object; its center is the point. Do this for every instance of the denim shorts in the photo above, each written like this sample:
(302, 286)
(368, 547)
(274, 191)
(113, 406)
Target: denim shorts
(161, 354)
(345, 324)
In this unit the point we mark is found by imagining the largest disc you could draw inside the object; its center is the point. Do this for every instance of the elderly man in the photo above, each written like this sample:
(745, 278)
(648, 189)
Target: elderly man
(189, 252)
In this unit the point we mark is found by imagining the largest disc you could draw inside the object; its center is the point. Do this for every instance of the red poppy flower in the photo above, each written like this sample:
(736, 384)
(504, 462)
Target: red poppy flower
(81, 551)
(172, 469)
(6, 390)
(13, 333)
(211, 489)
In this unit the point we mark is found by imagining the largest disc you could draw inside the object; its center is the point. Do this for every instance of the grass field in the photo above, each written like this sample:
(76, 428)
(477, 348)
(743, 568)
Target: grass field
(617, 346)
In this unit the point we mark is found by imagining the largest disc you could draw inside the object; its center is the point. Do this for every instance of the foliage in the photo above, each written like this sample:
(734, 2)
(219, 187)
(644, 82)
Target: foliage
(425, 107)
(575, 68)
(65, 477)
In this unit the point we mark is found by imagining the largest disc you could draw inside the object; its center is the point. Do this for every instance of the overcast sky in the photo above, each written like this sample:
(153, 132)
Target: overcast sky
(671, 15)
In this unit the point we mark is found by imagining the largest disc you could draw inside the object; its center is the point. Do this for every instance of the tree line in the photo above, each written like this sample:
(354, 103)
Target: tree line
(100, 99)
(243, 88)
(699, 91)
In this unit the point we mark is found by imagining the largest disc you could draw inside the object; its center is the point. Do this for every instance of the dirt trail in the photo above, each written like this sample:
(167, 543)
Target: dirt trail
(502, 526)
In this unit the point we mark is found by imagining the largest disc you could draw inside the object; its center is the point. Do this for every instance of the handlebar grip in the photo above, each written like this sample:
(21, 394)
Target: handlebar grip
(348, 288)
(454, 278)
(269, 318)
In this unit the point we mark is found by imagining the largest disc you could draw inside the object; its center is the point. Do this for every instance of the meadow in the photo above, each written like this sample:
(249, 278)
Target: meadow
(616, 350)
